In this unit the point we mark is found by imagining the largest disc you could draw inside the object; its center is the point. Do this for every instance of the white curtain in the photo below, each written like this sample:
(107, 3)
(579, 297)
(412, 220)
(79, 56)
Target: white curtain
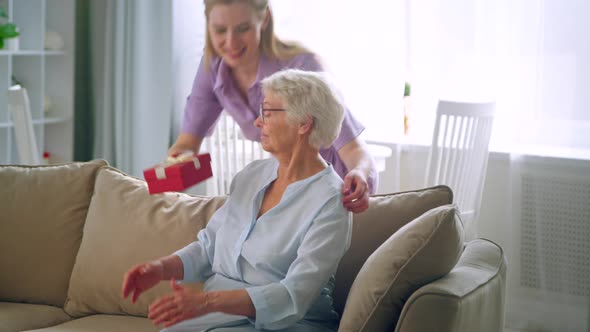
(188, 42)
(362, 45)
(533, 58)
(132, 87)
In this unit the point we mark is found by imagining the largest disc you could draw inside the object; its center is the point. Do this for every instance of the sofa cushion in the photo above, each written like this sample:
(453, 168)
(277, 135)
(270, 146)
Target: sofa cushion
(102, 323)
(126, 226)
(43, 209)
(23, 316)
(386, 214)
(421, 251)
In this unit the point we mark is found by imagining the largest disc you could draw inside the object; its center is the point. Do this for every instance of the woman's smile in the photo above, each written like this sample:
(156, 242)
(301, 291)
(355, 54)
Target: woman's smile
(236, 54)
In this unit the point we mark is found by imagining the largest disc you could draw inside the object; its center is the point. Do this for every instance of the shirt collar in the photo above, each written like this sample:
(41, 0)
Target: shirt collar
(295, 186)
(263, 66)
(224, 71)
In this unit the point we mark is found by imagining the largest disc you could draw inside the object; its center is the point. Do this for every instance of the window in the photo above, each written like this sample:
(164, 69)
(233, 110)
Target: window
(362, 44)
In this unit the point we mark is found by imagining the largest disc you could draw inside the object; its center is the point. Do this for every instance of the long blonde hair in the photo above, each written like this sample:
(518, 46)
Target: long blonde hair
(270, 44)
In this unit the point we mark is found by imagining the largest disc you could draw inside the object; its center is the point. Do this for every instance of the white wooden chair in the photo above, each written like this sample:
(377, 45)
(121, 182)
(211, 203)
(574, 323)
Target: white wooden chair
(459, 155)
(20, 110)
(230, 152)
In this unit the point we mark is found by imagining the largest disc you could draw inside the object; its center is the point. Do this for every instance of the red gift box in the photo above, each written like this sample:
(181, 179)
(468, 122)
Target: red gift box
(178, 174)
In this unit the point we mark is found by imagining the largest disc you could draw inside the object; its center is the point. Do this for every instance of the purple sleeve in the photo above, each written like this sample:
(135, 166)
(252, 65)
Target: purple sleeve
(202, 106)
(351, 127)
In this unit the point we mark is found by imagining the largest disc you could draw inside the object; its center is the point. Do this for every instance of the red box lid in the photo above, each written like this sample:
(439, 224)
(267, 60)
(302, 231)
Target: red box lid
(176, 170)
(178, 176)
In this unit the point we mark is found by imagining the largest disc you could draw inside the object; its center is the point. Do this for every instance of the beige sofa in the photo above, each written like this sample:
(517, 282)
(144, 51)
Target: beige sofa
(69, 232)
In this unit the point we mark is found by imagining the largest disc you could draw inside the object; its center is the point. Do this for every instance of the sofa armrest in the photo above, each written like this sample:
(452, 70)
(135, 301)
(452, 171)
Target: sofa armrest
(469, 298)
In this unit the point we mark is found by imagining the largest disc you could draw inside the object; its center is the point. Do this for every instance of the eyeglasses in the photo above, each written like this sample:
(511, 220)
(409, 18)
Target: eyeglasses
(262, 110)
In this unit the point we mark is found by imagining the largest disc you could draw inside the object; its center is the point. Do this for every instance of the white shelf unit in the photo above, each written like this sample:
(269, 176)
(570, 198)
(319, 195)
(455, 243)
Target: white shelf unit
(46, 74)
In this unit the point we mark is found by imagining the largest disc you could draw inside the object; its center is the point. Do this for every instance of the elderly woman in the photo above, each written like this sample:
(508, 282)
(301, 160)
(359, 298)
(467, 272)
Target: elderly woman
(268, 255)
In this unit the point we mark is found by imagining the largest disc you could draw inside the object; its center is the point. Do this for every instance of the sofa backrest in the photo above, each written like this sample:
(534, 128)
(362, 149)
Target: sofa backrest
(46, 232)
(386, 214)
(42, 213)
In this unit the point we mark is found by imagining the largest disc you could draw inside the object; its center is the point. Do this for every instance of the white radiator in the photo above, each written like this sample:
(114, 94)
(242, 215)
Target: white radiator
(555, 233)
(552, 241)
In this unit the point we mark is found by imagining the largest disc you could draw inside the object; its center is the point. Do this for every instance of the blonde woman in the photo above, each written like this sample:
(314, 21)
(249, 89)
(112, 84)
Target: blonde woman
(241, 50)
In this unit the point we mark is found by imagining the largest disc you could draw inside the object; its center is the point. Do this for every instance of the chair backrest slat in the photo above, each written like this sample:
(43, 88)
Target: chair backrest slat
(459, 152)
(230, 153)
(452, 174)
(26, 139)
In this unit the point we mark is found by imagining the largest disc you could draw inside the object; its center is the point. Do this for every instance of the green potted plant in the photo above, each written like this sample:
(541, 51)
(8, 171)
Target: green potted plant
(407, 90)
(7, 30)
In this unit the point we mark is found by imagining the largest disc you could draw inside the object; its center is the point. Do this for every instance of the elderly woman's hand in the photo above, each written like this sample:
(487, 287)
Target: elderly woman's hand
(355, 192)
(141, 278)
(184, 303)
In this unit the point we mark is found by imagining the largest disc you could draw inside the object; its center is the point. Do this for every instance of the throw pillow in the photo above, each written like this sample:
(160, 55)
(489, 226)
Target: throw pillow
(386, 214)
(126, 226)
(421, 251)
(42, 213)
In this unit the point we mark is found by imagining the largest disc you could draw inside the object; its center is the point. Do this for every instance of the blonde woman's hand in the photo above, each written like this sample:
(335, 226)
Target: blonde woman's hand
(185, 142)
(176, 151)
(355, 192)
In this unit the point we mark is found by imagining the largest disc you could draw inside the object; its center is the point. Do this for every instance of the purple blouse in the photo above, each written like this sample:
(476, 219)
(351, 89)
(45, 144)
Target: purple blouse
(215, 90)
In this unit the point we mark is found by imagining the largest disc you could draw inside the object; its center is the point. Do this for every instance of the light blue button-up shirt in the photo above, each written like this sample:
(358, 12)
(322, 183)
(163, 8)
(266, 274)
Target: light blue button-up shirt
(286, 258)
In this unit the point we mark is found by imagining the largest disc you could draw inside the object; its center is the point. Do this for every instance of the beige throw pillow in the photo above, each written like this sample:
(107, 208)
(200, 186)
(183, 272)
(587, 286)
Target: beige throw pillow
(126, 226)
(421, 251)
(386, 214)
(42, 212)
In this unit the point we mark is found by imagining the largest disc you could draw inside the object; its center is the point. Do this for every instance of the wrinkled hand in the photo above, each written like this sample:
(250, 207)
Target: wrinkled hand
(141, 278)
(355, 192)
(183, 303)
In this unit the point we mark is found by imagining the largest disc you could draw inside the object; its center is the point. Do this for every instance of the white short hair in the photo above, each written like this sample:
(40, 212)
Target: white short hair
(304, 94)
